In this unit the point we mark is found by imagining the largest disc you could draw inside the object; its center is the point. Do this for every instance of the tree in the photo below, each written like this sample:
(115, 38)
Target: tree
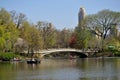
(2, 39)
(103, 21)
(8, 32)
(112, 41)
(31, 35)
(18, 19)
(48, 34)
(4, 17)
(65, 36)
(83, 34)
(73, 41)
(83, 38)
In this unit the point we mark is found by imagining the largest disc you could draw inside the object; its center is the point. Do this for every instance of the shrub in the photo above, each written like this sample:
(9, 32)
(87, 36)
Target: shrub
(7, 56)
(116, 53)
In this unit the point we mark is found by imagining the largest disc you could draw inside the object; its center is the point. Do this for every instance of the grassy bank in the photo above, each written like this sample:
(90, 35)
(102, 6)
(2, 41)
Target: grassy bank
(7, 56)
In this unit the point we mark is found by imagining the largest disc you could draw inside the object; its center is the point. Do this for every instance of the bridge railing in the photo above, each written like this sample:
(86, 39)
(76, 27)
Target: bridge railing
(60, 49)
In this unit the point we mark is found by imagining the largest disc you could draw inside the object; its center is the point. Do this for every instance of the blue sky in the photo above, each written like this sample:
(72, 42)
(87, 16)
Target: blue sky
(62, 13)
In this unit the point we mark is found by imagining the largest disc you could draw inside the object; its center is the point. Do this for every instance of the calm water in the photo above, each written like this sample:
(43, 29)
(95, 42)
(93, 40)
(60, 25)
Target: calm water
(62, 69)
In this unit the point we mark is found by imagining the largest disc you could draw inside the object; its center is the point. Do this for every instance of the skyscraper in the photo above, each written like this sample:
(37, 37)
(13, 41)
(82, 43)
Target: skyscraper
(81, 15)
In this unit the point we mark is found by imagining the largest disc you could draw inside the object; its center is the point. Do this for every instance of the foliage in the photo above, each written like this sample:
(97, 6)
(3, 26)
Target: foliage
(4, 17)
(112, 41)
(65, 35)
(18, 19)
(103, 21)
(8, 32)
(31, 35)
(116, 53)
(47, 32)
(2, 39)
(7, 56)
(94, 42)
(82, 37)
(73, 41)
(14, 26)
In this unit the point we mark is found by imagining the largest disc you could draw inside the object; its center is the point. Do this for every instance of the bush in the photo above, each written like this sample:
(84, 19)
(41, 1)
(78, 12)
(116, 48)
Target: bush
(116, 53)
(7, 56)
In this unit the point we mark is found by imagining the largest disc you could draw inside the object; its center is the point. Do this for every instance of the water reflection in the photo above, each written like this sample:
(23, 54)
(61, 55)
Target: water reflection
(62, 69)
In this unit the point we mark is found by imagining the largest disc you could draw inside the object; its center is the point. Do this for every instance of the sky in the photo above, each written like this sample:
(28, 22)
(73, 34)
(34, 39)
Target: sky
(61, 13)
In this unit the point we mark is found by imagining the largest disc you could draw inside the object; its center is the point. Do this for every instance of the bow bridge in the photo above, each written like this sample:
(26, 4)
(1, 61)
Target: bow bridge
(42, 53)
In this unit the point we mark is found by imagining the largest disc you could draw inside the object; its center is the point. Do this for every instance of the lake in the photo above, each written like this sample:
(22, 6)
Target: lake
(62, 69)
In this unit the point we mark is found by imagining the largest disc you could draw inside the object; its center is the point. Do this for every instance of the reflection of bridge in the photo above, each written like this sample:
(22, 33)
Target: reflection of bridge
(42, 53)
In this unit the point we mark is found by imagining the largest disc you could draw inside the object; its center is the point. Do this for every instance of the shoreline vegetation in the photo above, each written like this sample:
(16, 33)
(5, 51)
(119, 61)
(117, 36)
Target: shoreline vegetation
(8, 56)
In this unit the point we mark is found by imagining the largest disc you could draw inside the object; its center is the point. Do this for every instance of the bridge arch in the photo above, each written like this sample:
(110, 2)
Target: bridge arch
(79, 53)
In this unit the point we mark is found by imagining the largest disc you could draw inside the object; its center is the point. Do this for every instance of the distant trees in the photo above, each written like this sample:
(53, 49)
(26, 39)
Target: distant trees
(43, 35)
(53, 38)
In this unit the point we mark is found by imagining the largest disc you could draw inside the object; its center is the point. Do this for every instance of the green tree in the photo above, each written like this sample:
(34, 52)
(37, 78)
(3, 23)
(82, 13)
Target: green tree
(2, 39)
(83, 38)
(48, 34)
(103, 23)
(83, 34)
(8, 32)
(65, 36)
(94, 42)
(4, 17)
(112, 41)
(11, 34)
(31, 35)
